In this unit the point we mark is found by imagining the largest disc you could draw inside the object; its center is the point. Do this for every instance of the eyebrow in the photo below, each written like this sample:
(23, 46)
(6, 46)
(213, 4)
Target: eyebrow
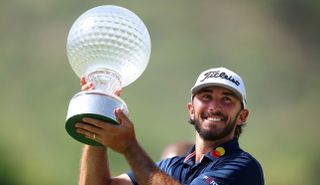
(231, 94)
(205, 90)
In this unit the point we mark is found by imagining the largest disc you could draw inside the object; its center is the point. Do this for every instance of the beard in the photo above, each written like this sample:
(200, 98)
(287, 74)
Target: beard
(212, 135)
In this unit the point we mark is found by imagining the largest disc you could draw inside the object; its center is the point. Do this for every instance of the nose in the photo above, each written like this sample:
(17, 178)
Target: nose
(214, 106)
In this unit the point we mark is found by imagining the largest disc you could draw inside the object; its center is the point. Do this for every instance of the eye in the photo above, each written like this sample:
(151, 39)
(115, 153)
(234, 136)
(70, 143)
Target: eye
(227, 99)
(206, 97)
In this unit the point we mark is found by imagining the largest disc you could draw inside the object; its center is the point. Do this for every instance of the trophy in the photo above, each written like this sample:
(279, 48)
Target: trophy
(111, 47)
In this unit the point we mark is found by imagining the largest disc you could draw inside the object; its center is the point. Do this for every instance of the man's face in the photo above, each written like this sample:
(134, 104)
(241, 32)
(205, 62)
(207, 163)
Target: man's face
(215, 112)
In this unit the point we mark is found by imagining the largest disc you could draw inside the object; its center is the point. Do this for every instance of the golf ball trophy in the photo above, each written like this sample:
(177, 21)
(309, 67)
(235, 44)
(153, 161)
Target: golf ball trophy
(111, 47)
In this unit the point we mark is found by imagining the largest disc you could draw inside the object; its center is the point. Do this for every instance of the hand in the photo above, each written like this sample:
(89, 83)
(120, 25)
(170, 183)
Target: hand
(84, 85)
(90, 86)
(118, 137)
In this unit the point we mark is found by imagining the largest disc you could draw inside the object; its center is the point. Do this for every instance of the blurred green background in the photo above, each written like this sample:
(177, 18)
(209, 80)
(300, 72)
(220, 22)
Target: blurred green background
(273, 44)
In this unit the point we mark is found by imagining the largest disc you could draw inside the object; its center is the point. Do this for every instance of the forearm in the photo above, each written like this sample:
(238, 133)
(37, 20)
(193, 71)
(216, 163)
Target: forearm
(144, 169)
(94, 168)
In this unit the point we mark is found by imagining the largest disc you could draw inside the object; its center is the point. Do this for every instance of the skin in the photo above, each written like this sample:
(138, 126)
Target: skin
(94, 166)
(215, 108)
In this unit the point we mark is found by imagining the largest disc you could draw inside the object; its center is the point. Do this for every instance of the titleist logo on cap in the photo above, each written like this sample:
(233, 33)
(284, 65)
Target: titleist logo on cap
(218, 74)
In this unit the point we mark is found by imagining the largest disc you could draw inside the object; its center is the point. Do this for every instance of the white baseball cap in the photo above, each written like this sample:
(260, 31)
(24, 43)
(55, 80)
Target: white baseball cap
(221, 77)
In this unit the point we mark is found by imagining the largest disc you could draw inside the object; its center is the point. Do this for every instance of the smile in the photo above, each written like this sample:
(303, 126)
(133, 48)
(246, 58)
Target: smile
(214, 119)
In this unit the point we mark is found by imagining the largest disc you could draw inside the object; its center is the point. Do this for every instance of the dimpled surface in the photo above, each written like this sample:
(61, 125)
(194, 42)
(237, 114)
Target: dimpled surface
(109, 37)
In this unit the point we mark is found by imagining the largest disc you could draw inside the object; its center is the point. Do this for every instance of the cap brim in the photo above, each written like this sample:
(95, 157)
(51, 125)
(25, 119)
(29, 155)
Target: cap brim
(196, 89)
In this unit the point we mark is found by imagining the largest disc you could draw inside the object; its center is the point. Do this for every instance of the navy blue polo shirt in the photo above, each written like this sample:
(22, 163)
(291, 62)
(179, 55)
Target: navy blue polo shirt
(224, 165)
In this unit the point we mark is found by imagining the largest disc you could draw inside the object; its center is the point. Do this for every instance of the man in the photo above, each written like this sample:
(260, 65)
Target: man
(218, 110)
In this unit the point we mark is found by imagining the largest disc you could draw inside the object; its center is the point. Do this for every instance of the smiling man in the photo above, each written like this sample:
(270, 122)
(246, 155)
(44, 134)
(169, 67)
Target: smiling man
(218, 111)
(219, 103)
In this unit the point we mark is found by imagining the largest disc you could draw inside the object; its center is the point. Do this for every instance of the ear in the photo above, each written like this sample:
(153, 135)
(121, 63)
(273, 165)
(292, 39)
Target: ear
(191, 110)
(242, 118)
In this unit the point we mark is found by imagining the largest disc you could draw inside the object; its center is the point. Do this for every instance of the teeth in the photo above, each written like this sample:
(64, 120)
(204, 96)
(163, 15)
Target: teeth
(214, 119)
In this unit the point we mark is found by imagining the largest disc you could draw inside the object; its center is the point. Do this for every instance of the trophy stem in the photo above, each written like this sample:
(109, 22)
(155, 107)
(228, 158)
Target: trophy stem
(105, 80)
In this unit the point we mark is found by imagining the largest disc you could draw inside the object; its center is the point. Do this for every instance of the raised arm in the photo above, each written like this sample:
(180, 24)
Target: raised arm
(121, 138)
(94, 167)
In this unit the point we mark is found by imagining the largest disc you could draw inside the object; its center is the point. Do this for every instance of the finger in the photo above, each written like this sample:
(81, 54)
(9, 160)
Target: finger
(86, 133)
(82, 80)
(90, 135)
(96, 123)
(117, 91)
(104, 127)
(97, 139)
(88, 86)
(83, 128)
(93, 137)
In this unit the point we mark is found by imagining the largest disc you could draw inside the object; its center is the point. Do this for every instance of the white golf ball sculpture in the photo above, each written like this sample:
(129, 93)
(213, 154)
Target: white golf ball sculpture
(111, 46)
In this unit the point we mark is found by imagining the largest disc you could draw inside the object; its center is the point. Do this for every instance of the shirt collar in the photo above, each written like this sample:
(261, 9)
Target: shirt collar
(224, 149)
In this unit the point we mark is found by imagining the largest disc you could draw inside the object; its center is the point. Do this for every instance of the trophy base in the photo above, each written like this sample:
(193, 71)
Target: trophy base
(93, 104)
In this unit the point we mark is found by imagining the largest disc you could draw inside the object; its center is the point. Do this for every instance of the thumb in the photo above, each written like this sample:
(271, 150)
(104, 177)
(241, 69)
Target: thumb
(121, 117)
